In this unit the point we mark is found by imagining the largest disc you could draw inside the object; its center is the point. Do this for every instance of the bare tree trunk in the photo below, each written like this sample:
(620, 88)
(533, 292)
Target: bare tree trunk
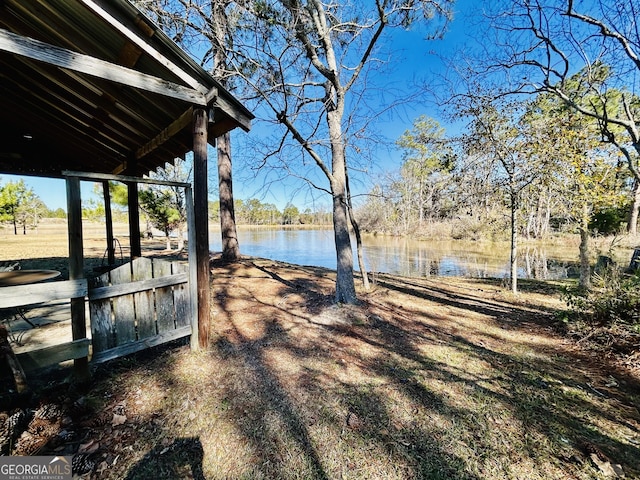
(585, 268)
(547, 219)
(634, 210)
(345, 287)
(356, 231)
(230, 246)
(180, 239)
(514, 243)
(228, 231)
(539, 225)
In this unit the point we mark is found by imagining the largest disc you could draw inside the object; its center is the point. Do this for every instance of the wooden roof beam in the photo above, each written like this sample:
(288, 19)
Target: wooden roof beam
(67, 59)
(180, 123)
(142, 44)
(243, 120)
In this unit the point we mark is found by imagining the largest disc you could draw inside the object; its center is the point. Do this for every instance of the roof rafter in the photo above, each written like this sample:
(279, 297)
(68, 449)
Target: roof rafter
(63, 58)
(139, 42)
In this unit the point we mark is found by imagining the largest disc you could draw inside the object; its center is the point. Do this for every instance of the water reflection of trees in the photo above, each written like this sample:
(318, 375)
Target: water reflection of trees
(534, 263)
(415, 259)
(412, 258)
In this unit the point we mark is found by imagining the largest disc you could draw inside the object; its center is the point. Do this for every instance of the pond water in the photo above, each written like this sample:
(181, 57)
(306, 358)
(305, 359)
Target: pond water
(402, 256)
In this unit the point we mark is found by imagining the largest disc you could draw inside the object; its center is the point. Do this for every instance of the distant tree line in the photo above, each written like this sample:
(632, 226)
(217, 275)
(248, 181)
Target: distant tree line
(255, 212)
(162, 208)
(533, 163)
(22, 209)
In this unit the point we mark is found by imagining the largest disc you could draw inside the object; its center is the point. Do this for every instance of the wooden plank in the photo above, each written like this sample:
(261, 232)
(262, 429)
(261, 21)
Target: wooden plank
(78, 62)
(122, 178)
(108, 220)
(193, 278)
(238, 113)
(200, 234)
(22, 295)
(177, 126)
(143, 45)
(123, 309)
(124, 271)
(45, 357)
(165, 311)
(182, 302)
(183, 309)
(143, 300)
(76, 272)
(134, 220)
(103, 336)
(141, 345)
(132, 287)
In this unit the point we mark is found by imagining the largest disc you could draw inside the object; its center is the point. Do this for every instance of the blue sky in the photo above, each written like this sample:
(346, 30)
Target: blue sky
(416, 61)
(419, 64)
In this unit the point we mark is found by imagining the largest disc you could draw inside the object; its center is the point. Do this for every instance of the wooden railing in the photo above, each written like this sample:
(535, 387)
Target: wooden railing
(26, 295)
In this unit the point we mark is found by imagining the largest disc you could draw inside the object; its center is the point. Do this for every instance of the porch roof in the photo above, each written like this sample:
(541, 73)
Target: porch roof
(95, 86)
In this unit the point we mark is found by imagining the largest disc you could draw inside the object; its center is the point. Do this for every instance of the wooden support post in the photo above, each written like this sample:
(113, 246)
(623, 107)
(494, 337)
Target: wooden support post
(201, 223)
(193, 270)
(134, 221)
(108, 218)
(76, 271)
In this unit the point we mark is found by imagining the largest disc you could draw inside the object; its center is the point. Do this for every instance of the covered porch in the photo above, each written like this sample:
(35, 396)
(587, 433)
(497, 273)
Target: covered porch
(93, 90)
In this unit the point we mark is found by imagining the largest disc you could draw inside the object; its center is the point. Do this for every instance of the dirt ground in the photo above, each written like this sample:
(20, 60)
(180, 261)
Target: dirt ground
(425, 378)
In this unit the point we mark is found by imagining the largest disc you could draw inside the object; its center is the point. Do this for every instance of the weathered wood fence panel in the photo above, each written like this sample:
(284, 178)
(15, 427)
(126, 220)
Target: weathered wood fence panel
(143, 300)
(137, 305)
(123, 307)
(165, 312)
(25, 295)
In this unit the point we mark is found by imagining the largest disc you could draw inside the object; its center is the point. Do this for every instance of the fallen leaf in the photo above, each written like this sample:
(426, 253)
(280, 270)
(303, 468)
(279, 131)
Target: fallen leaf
(353, 421)
(102, 467)
(89, 447)
(605, 467)
(118, 420)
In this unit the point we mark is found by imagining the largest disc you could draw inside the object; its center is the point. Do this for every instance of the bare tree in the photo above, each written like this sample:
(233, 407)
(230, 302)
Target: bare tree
(496, 131)
(542, 43)
(310, 61)
(210, 21)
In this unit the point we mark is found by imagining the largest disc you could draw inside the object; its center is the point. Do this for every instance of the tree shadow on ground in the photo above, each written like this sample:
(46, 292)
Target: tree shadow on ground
(416, 382)
(548, 400)
(181, 459)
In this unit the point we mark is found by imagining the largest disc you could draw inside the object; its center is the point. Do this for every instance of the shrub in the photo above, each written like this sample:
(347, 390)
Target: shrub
(608, 221)
(613, 299)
